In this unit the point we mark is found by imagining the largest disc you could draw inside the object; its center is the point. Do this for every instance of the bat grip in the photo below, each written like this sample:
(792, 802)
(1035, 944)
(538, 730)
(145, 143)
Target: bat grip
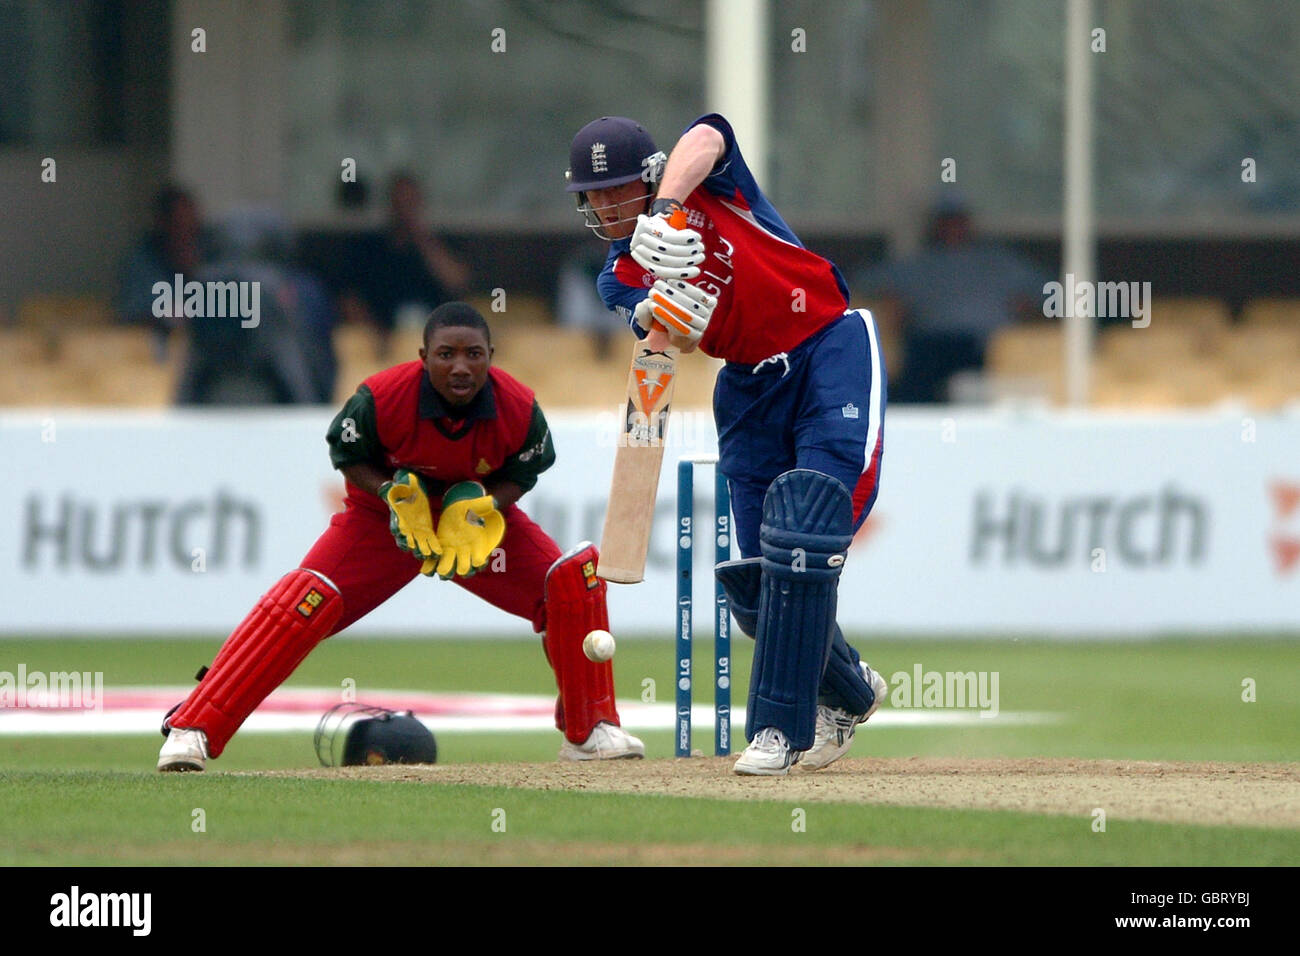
(657, 337)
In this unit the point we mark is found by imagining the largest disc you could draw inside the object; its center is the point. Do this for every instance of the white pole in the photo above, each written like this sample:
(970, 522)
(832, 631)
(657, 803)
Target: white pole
(1079, 250)
(736, 62)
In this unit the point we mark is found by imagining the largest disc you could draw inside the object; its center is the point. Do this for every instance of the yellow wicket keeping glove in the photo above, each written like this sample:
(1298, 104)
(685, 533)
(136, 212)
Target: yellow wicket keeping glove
(469, 530)
(411, 520)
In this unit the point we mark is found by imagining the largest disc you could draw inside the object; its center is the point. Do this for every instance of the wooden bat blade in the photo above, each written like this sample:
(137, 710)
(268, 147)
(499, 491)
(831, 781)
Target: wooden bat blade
(629, 517)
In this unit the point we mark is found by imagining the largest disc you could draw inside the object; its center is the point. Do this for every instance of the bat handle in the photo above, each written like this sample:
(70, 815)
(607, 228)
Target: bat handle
(658, 335)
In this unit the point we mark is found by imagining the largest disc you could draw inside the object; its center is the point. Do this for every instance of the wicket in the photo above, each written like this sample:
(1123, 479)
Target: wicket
(685, 600)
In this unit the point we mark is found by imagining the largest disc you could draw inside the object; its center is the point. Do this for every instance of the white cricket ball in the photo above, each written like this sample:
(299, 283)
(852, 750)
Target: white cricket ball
(598, 646)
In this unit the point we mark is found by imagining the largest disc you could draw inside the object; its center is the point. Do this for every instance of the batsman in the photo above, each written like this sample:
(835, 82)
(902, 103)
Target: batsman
(799, 406)
(436, 454)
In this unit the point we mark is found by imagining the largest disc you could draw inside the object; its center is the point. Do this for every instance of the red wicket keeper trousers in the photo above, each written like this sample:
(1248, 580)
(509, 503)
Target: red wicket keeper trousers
(357, 552)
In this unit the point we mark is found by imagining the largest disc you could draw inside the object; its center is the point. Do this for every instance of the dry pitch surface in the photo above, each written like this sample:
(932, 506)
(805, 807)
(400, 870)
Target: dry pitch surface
(1228, 794)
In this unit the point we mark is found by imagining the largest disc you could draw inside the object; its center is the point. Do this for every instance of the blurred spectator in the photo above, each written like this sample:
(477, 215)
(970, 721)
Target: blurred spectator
(176, 243)
(287, 356)
(951, 298)
(352, 195)
(578, 305)
(404, 264)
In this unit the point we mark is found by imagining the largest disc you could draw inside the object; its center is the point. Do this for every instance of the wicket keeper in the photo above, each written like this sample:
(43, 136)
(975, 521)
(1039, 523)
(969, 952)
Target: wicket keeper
(436, 454)
(799, 406)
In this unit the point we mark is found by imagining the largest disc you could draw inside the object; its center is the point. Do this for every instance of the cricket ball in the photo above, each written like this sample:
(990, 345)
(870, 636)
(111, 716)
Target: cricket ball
(598, 646)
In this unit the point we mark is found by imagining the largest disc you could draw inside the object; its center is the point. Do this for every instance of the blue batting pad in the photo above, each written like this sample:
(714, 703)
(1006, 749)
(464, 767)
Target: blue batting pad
(843, 685)
(743, 582)
(805, 534)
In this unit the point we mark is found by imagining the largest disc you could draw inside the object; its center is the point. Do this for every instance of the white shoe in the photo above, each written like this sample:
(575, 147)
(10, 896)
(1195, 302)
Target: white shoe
(606, 742)
(184, 750)
(768, 755)
(835, 727)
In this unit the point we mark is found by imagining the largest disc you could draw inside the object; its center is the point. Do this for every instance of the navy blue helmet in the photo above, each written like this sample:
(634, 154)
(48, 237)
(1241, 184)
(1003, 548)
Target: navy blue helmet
(611, 151)
(352, 735)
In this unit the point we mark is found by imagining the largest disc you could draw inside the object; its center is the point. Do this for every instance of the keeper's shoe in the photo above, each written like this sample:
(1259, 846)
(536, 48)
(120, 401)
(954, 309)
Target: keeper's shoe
(606, 742)
(835, 727)
(184, 750)
(768, 755)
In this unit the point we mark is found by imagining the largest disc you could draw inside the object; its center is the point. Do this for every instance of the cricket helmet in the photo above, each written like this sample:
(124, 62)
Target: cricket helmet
(351, 735)
(611, 151)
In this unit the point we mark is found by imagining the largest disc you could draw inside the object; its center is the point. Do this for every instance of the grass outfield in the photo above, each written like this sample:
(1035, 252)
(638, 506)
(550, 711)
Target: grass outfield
(92, 818)
(96, 799)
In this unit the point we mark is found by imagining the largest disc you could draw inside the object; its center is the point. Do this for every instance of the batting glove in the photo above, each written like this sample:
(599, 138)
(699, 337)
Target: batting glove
(666, 252)
(679, 307)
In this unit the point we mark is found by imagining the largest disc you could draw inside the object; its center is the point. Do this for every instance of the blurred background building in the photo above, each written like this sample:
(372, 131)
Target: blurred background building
(267, 105)
(363, 160)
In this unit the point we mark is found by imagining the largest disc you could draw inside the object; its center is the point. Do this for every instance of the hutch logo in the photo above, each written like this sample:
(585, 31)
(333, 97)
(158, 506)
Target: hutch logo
(1285, 541)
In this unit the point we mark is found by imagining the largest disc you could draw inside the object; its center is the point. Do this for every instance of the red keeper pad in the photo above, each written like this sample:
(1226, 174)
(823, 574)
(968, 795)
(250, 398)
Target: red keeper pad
(293, 617)
(575, 606)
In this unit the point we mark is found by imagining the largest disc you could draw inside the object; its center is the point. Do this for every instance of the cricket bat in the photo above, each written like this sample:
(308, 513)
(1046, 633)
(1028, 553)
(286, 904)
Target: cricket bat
(629, 517)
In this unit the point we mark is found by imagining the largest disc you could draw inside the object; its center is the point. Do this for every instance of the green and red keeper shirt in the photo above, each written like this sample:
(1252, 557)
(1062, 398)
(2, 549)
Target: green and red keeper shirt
(397, 420)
